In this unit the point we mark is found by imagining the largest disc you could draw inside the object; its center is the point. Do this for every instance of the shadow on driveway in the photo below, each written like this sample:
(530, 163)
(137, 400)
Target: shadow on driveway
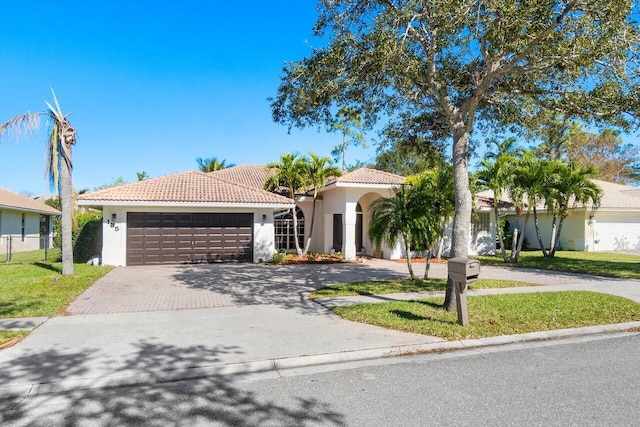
(210, 401)
(194, 286)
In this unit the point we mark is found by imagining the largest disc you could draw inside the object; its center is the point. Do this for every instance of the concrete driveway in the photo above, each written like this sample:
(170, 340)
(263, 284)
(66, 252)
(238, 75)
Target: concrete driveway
(182, 287)
(148, 324)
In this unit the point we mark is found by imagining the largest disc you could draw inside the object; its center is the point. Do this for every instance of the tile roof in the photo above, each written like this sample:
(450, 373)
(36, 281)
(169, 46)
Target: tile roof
(252, 175)
(11, 200)
(368, 176)
(614, 196)
(618, 195)
(186, 187)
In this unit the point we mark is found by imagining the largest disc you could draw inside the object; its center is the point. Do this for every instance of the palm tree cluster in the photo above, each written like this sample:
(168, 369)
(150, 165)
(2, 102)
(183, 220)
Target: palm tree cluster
(531, 182)
(417, 212)
(300, 174)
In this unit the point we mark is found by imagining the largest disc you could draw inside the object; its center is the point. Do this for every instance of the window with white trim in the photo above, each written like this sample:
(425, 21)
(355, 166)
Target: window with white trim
(283, 229)
(480, 223)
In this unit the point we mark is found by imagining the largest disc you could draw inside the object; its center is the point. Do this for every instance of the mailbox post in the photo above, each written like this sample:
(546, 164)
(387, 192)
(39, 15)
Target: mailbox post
(462, 271)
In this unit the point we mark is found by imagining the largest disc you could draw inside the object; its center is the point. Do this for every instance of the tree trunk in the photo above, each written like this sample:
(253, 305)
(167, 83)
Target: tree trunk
(440, 243)
(553, 243)
(552, 251)
(538, 235)
(462, 216)
(524, 228)
(66, 206)
(499, 231)
(428, 265)
(514, 237)
(313, 216)
(295, 231)
(407, 248)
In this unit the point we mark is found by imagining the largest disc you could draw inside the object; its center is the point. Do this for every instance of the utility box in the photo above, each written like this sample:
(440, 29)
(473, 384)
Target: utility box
(462, 271)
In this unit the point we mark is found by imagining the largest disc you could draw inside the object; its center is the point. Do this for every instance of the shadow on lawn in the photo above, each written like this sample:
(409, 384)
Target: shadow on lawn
(213, 400)
(48, 266)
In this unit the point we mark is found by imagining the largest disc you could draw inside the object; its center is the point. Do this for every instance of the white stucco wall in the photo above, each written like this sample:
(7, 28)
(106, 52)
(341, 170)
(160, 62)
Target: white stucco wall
(317, 239)
(573, 235)
(343, 200)
(114, 236)
(480, 242)
(11, 225)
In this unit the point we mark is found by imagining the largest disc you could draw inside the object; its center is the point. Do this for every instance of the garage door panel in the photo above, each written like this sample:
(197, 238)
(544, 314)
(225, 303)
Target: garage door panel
(157, 238)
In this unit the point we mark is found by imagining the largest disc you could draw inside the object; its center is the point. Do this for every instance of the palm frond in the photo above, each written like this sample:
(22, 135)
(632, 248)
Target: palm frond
(27, 122)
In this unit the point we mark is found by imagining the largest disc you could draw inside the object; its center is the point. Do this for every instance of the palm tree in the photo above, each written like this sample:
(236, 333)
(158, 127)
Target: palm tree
(508, 146)
(495, 175)
(317, 173)
(431, 203)
(527, 188)
(290, 172)
(392, 217)
(212, 164)
(59, 166)
(572, 186)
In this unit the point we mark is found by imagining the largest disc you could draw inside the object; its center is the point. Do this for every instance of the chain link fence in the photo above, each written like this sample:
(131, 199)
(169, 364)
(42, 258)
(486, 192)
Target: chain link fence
(19, 249)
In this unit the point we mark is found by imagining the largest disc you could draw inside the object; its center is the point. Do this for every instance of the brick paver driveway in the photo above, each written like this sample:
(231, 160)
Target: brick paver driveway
(179, 287)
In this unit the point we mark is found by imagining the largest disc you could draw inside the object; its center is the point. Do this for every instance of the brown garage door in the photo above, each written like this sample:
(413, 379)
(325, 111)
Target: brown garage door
(159, 238)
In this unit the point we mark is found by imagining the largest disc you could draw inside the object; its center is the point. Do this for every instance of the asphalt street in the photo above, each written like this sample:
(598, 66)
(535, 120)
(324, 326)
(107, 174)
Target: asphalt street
(588, 381)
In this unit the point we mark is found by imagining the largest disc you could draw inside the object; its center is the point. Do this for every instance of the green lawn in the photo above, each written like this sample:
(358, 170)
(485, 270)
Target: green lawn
(6, 336)
(38, 289)
(29, 257)
(392, 286)
(493, 315)
(601, 264)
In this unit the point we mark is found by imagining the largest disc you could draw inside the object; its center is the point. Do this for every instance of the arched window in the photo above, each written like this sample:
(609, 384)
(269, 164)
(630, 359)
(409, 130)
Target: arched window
(283, 225)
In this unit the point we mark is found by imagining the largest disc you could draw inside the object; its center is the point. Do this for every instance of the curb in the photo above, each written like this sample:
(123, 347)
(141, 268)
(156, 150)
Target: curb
(283, 364)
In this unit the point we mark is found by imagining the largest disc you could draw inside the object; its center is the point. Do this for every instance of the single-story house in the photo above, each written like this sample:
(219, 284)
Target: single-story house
(226, 215)
(25, 224)
(614, 226)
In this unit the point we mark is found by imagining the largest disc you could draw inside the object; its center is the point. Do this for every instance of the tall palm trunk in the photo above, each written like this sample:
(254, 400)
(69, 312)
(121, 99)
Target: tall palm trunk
(66, 203)
(313, 217)
(521, 239)
(428, 264)
(538, 235)
(295, 231)
(499, 231)
(407, 248)
(552, 250)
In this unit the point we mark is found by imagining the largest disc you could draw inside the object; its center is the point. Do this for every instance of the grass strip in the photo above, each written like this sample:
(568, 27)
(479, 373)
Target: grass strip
(623, 266)
(38, 289)
(493, 315)
(392, 286)
(8, 336)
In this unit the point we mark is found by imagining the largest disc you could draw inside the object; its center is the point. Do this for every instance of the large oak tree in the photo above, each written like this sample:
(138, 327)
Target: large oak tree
(456, 65)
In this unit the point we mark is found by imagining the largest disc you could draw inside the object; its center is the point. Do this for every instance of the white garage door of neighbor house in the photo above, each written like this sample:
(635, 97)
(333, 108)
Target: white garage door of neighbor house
(622, 234)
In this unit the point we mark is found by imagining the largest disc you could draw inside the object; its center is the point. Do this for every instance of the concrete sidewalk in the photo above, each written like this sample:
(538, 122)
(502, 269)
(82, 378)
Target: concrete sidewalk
(265, 333)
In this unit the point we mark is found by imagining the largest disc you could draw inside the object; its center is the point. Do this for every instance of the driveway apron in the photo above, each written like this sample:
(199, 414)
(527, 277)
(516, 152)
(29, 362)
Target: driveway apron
(143, 322)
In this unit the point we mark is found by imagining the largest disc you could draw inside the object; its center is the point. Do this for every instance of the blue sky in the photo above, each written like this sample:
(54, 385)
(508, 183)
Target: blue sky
(152, 84)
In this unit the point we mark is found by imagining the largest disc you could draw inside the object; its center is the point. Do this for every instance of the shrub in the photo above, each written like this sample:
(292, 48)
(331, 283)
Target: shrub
(280, 257)
(87, 238)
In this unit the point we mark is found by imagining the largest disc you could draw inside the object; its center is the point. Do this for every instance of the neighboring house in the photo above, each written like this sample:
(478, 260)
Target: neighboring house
(25, 224)
(226, 215)
(614, 226)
